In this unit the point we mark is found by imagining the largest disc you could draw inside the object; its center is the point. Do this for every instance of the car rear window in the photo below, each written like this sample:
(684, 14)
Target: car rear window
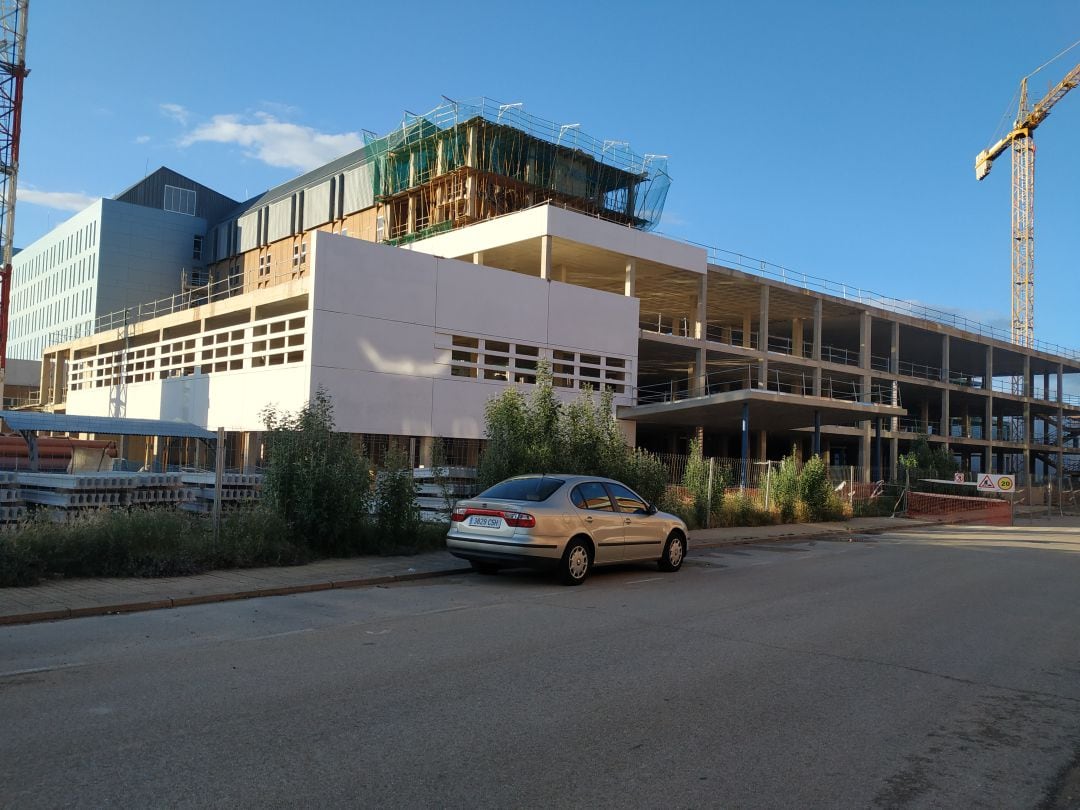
(523, 489)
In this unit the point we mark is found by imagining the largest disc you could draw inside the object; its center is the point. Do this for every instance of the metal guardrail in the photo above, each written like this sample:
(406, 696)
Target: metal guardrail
(748, 377)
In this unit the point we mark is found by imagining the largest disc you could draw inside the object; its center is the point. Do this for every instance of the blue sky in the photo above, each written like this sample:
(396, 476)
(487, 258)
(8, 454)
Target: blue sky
(835, 138)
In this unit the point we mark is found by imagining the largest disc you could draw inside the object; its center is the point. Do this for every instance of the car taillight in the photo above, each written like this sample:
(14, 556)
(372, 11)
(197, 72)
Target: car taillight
(519, 520)
(457, 515)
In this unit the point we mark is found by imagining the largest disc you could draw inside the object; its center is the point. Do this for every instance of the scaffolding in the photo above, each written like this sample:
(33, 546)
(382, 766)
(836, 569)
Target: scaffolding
(466, 162)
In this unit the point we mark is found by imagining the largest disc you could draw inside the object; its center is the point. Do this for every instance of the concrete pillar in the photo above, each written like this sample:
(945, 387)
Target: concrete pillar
(817, 330)
(946, 416)
(59, 394)
(763, 337)
(878, 475)
(894, 458)
(427, 446)
(478, 257)
(816, 446)
(1060, 381)
(701, 309)
(747, 328)
(894, 348)
(763, 445)
(924, 417)
(763, 319)
(630, 279)
(252, 450)
(865, 323)
(1026, 391)
(545, 257)
(864, 452)
(745, 444)
(945, 360)
(701, 371)
(797, 337)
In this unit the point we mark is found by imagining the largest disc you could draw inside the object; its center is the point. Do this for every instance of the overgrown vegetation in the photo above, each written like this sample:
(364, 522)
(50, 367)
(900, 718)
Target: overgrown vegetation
(317, 502)
(542, 435)
(934, 462)
(158, 542)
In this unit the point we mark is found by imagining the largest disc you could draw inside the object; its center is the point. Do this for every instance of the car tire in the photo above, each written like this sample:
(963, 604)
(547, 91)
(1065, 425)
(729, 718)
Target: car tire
(674, 553)
(576, 563)
(485, 568)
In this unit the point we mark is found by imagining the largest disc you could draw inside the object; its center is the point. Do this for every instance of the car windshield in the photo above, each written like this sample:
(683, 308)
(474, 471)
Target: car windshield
(523, 489)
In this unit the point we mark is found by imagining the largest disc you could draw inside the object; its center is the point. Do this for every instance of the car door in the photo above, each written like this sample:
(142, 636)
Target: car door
(643, 534)
(597, 513)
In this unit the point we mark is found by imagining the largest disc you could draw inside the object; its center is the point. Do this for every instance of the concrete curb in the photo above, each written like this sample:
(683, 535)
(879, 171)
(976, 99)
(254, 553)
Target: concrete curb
(385, 579)
(209, 598)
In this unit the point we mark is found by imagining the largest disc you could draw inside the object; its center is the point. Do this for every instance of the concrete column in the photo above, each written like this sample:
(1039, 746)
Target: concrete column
(701, 310)
(630, 279)
(865, 322)
(894, 458)
(924, 417)
(1027, 376)
(763, 439)
(797, 337)
(747, 327)
(701, 371)
(1060, 440)
(817, 381)
(946, 421)
(817, 329)
(545, 257)
(252, 450)
(864, 452)
(763, 319)
(894, 348)
(1027, 429)
(816, 446)
(427, 445)
(745, 444)
(59, 395)
(945, 358)
(478, 257)
(1060, 381)
(878, 474)
(763, 338)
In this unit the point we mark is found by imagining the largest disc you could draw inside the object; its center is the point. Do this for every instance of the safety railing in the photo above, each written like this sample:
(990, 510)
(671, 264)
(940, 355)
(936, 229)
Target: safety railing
(749, 377)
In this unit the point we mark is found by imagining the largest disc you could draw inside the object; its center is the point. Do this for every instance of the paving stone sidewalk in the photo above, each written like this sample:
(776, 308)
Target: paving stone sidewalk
(73, 598)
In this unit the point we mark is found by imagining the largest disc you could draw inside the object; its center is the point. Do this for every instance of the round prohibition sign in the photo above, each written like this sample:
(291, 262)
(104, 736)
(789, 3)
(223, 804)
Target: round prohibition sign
(1005, 484)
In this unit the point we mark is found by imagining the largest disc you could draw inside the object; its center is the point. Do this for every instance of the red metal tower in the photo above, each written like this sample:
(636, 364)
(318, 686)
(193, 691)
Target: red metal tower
(13, 17)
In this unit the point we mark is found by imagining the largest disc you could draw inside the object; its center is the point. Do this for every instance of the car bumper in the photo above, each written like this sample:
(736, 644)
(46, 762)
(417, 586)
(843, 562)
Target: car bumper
(534, 552)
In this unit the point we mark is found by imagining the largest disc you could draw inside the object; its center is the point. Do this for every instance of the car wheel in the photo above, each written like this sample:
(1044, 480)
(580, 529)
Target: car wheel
(485, 568)
(674, 553)
(576, 563)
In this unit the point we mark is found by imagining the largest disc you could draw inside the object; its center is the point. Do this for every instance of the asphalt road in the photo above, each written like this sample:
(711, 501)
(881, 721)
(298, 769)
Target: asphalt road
(939, 669)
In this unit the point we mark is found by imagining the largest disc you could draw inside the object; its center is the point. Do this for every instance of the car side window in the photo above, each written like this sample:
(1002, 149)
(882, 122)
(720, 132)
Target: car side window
(591, 495)
(627, 500)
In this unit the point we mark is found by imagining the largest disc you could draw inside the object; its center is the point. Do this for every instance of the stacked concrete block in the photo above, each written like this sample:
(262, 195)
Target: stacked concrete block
(432, 496)
(236, 489)
(12, 508)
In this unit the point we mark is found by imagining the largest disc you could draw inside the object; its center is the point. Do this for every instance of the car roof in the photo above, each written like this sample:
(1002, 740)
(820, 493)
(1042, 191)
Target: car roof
(570, 479)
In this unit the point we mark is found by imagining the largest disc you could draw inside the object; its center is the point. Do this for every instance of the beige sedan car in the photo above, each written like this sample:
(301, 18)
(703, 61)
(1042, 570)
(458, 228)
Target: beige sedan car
(565, 522)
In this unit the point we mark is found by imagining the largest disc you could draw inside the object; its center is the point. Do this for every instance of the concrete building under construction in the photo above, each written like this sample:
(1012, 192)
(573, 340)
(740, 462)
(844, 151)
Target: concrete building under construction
(418, 276)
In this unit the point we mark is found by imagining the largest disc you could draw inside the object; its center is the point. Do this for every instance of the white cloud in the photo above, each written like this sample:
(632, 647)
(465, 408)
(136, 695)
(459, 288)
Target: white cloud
(275, 142)
(60, 200)
(176, 112)
(142, 139)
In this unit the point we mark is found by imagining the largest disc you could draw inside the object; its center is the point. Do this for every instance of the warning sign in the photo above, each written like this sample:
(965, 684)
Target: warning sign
(996, 483)
(958, 478)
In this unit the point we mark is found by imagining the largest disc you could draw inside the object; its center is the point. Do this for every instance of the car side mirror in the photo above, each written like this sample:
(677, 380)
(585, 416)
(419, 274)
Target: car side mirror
(651, 509)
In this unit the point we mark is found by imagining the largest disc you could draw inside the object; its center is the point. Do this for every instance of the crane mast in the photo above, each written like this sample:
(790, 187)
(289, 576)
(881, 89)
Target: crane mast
(1022, 141)
(13, 22)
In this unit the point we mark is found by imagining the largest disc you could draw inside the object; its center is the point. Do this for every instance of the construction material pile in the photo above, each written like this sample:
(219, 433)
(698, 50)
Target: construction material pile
(236, 489)
(437, 492)
(12, 509)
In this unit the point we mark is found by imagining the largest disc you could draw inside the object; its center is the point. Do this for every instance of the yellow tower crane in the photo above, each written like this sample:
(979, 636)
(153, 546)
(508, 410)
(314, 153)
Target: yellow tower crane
(1021, 138)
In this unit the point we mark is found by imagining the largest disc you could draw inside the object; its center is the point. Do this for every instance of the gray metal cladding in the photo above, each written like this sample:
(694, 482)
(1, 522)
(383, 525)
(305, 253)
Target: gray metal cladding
(317, 205)
(359, 188)
(281, 219)
(248, 226)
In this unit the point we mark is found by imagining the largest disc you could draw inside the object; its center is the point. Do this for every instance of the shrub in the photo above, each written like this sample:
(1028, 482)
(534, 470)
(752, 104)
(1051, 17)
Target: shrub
(785, 488)
(397, 515)
(645, 474)
(696, 482)
(316, 481)
(815, 490)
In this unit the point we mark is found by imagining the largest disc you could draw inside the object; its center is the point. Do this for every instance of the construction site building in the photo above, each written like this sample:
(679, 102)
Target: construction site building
(414, 279)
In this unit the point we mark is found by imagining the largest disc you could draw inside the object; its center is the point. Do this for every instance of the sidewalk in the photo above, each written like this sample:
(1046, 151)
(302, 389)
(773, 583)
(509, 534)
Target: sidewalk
(74, 598)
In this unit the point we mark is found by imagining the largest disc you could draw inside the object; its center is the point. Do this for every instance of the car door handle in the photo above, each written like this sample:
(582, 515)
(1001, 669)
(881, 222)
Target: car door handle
(588, 518)
(627, 521)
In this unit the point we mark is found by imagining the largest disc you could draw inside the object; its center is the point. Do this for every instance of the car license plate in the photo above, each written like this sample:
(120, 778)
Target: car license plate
(485, 522)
